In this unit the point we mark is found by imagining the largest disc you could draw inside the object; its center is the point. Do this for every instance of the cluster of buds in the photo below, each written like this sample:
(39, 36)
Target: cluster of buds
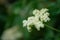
(39, 16)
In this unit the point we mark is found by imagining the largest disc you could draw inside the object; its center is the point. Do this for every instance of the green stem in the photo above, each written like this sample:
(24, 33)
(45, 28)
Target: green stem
(52, 28)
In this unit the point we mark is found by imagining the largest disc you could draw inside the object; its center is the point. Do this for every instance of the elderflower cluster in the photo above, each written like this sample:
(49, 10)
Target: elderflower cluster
(37, 20)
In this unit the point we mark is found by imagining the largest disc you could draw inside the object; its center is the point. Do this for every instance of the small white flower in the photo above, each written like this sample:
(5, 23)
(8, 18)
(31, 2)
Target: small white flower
(28, 28)
(36, 12)
(47, 13)
(37, 20)
(38, 25)
(24, 23)
(31, 18)
(45, 17)
(43, 10)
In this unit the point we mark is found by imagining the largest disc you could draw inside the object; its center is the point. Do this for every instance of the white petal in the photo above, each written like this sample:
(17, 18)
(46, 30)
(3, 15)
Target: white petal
(35, 12)
(38, 25)
(31, 18)
(29, 29)
(24, 23)
(47, 13)
(43, 10)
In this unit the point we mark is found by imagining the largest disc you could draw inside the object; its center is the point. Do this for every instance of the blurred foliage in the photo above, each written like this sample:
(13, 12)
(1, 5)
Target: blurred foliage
(21, 9)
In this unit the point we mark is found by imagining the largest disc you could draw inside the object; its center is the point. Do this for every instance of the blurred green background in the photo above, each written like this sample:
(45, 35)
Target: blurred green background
(13, 12)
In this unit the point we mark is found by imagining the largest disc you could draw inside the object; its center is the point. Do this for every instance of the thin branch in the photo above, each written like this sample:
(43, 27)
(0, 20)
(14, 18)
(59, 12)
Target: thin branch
(52, 28)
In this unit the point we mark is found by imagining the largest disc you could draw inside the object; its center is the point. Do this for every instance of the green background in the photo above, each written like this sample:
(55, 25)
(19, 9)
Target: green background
(14, 12)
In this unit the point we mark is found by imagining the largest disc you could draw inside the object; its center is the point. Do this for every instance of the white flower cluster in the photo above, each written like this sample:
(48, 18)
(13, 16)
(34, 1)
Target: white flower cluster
(37, 20)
